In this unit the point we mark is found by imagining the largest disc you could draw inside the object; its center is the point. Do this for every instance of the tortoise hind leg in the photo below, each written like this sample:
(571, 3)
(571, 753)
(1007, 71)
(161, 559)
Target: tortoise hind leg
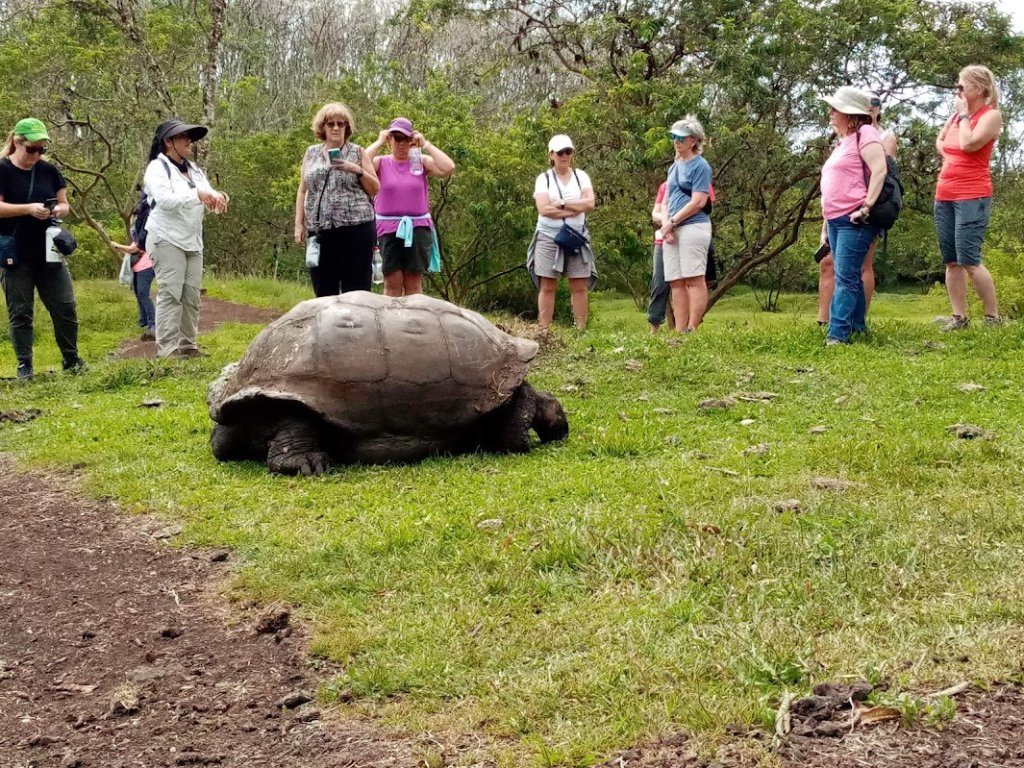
(296, 448)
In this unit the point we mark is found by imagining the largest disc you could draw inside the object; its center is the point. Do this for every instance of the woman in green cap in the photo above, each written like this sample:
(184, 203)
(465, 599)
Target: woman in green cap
(32, 192)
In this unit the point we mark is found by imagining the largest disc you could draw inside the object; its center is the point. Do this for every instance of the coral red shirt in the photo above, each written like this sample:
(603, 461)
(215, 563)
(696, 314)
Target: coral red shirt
(964, 175)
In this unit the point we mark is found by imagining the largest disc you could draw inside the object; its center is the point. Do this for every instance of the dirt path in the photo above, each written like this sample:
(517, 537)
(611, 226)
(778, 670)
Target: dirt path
(114, 652)
(212, 312)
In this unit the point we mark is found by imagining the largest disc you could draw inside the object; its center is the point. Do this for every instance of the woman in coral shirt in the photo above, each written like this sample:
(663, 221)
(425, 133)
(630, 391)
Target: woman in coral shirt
(963, 196)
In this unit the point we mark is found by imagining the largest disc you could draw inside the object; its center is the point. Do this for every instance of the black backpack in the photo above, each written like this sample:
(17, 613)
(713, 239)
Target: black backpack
(142, 211)
(887, 207)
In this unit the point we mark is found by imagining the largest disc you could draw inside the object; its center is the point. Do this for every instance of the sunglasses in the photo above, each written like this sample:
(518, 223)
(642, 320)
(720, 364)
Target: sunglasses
(564, 152)
(37, 150)
(677, 137)
(400, 137)
(336, 124)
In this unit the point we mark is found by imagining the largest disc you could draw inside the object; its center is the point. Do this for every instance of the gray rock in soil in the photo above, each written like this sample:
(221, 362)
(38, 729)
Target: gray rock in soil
(293, 700)
(816, 707)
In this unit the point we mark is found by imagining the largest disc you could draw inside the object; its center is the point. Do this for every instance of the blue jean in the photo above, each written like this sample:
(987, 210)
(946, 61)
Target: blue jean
(961, 225)
(660, 292)
(849, 243)
(142, 281)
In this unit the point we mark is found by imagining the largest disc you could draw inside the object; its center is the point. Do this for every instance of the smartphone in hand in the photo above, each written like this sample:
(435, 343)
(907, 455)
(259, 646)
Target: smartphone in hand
(821, 253)
(51, 203)
(334, 155)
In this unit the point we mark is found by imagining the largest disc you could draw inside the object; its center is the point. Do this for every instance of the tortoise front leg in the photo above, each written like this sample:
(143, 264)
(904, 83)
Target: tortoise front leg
(508, 428)
(295, 448)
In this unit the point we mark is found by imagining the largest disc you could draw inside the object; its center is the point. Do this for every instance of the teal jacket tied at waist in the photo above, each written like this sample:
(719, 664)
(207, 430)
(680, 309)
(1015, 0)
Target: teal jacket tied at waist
(404, 233)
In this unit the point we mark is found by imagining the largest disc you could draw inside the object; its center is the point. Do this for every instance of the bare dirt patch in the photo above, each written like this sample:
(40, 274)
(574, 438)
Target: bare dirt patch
(115, 652)
(987, 732)
(212, 312)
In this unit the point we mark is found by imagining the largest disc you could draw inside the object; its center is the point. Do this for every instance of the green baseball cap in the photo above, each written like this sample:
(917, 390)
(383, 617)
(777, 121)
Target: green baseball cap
(31, 128)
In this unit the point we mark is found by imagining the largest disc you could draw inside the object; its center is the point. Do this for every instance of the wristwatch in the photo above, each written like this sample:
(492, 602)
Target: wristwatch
(964, 117)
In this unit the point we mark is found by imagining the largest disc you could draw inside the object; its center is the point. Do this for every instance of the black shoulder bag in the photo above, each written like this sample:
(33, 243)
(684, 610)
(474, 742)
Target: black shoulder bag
(887, 207)
(8, 244)
(570, 239)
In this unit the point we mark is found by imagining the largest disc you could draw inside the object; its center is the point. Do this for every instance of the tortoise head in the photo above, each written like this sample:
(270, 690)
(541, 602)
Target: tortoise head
(549, 421)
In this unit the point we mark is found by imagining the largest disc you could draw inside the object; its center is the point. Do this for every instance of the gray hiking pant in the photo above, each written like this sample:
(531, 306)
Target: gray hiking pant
(58, 296)
(179, 275)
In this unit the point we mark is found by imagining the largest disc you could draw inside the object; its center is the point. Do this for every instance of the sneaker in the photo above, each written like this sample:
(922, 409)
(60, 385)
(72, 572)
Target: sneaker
(148, 335)
(834, 342)
(955, 323)
(993, 320)
(75, 366)
(25, 372)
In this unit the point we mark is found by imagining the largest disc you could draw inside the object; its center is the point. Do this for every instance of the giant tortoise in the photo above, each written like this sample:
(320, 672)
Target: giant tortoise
(372, 379)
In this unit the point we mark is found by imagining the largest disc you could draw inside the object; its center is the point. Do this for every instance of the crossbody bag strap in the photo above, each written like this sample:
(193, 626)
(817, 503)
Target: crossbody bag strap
(320, 200)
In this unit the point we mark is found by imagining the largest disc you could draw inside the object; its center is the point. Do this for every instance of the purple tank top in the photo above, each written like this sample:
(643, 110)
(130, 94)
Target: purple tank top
(401, 194)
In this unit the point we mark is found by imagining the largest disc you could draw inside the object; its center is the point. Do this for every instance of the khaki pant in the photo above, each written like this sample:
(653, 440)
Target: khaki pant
(178, 276)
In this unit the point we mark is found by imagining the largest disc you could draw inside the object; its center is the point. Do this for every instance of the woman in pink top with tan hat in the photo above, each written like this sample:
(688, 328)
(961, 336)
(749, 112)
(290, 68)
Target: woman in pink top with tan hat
(405, 231)
(851, 181)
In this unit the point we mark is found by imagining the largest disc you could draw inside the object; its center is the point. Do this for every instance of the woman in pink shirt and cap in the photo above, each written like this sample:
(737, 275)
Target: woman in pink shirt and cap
(405, 231)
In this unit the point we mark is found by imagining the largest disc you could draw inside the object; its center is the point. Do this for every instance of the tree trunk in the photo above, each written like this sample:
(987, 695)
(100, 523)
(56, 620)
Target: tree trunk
(211, 73)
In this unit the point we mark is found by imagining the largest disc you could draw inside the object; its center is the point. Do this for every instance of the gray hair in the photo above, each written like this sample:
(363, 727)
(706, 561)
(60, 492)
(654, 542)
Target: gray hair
(691, 126)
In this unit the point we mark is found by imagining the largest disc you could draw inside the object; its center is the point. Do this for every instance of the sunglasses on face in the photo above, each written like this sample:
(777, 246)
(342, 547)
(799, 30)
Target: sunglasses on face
(37, 150)
(677, 137)
(336, 124)
(400, 137)
(564, 152)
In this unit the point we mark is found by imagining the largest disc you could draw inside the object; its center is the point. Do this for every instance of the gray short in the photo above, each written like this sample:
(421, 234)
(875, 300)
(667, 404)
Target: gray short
(415, 259)
(544, 254)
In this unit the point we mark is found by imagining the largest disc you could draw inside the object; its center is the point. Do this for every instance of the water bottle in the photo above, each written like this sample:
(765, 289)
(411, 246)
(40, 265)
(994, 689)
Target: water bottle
(378, 267)
(53, 256)
(415, 161)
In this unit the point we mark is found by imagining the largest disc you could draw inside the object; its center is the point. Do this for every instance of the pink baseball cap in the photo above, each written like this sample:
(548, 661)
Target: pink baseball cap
(401, 125)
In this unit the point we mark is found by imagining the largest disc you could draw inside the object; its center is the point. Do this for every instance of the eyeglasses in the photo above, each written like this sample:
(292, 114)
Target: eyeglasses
(336, 124)
(564, 152)
(36, 150)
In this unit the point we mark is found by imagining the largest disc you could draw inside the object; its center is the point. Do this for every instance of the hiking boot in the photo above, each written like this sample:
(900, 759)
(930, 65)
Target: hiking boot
(993, 320)
(955, 323)
(74, 367)
(190, 352)
(25, 372)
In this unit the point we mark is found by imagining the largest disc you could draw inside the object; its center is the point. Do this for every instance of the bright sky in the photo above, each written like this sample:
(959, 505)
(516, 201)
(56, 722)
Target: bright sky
(1015, 8)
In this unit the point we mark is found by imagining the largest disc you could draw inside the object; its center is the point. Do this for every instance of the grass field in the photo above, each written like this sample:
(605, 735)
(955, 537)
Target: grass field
(641, 577)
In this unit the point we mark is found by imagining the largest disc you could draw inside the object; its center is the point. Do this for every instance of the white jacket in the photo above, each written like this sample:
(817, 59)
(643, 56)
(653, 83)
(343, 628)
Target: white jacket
(177, 214)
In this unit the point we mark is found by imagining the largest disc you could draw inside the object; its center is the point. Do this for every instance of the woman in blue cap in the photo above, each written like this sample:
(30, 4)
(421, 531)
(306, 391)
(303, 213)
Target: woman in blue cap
(179, 194)
(32, 193)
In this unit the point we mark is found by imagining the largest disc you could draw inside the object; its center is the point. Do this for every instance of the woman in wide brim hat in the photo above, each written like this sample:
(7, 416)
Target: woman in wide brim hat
(826, 270)
(846, 200)
(179, 193)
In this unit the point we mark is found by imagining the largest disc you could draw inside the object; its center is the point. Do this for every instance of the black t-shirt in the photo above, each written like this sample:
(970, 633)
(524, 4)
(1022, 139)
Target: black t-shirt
(29, 232)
